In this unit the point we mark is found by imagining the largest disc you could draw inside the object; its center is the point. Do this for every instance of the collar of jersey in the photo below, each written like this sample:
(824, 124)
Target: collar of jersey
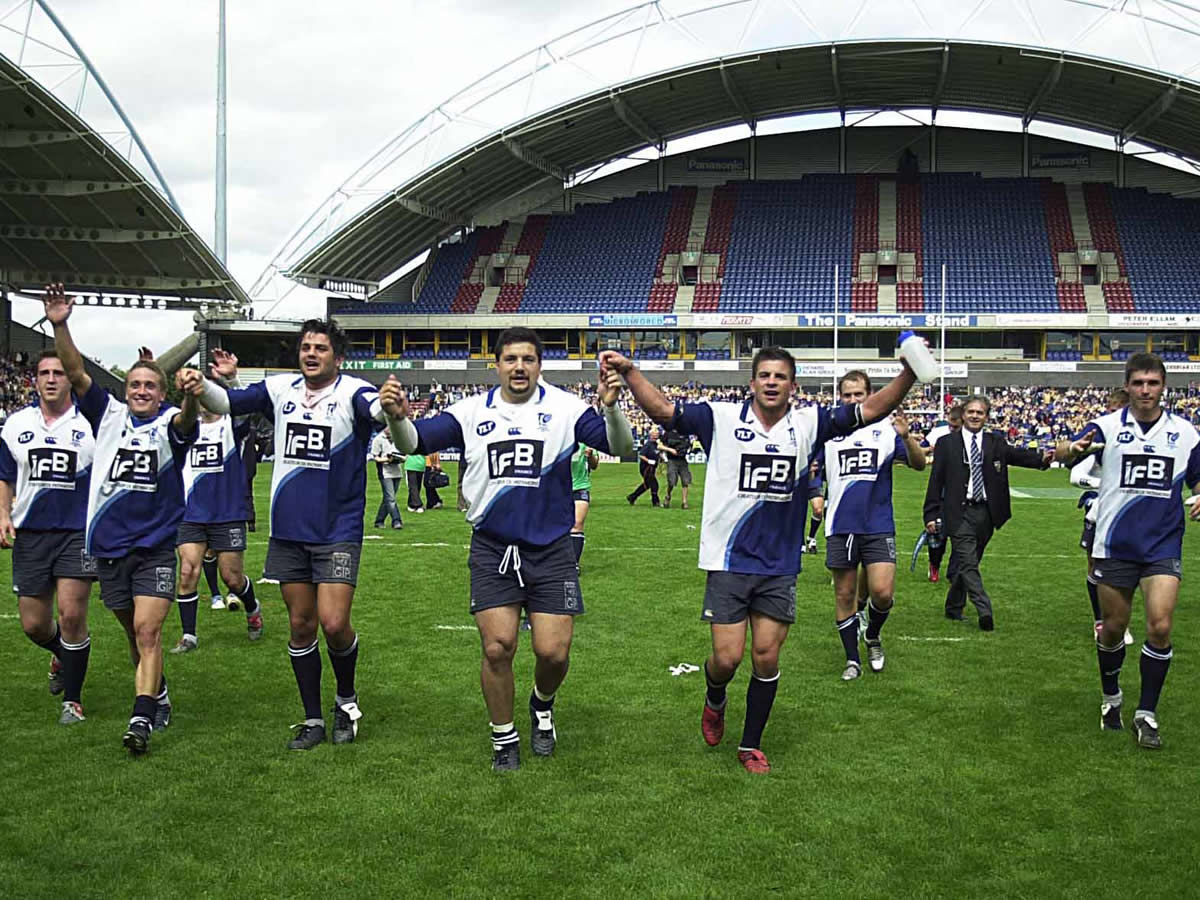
(491, 397)
(750, 419)
(1137, 427)
(41, 417)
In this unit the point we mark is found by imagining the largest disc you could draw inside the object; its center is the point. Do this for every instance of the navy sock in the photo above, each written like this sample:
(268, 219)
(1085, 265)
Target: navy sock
(502, 735)
(143, 710)
(344, 663)
(306, 664)
(715, 695)
(577, 540)
(210, 575)
(760, 695)
(875, 620)
(246, 595)
(1111, 660)
(813, 525)
(54, 644)
(74, 659)
(538, 703)
(1154, 664)
(1094, 598)
(187, 612)
(848, 632)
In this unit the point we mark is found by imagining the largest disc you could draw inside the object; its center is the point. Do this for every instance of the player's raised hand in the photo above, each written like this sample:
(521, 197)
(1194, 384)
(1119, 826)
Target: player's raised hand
(224, 365)
(1193, 505)
(145, 354)
(1066, 451)
(611, 360)
(190, 381)
(57, 304)
(609, 386)
(394, 398)
(900, 424)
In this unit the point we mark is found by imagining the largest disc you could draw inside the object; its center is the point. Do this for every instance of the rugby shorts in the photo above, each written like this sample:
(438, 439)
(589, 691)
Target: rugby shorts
(849, 551)
(729, 597)
(1089, 535)
(41, 557)
(141, 572)
(1127, 573)
(222, 537)
(582, 496)
(541, 579)
(291, 562)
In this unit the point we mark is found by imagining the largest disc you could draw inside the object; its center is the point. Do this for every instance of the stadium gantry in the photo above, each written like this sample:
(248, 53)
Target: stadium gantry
(83, 201)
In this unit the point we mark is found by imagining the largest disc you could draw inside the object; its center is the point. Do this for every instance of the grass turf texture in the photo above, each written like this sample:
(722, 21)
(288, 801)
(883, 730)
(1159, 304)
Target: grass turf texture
(972, 767)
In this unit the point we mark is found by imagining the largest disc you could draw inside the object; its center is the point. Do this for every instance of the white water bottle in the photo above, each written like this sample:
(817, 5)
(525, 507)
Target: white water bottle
(914, 352)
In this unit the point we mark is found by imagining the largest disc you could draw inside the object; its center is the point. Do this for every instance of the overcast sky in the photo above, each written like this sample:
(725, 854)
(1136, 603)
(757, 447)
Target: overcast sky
(314, 88)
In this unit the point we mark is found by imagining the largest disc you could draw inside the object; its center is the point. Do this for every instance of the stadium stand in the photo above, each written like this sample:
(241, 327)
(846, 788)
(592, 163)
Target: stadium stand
(529, 244)
(1159, 236)
(674, 242)
(864, 291)
(910, 297)
(451, 267)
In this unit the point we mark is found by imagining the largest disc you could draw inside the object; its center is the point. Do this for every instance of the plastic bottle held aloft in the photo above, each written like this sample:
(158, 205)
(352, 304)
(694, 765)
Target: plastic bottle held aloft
(914, 352)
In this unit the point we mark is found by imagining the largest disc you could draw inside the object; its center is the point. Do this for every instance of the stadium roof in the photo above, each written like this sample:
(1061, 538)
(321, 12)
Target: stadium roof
(74, 208)
(397, 204)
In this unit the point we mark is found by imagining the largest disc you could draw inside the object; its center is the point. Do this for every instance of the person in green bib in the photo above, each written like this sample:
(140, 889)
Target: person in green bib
(414, 471)
(583, 462)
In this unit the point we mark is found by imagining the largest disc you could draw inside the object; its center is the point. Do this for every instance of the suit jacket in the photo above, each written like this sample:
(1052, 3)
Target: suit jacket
(951, 476)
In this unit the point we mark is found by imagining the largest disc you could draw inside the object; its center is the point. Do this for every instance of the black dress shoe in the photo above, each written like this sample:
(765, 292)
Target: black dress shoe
(986, 623)
(954, 617)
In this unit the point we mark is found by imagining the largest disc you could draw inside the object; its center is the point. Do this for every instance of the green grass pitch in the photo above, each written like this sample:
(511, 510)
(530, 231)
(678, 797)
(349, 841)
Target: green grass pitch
(972, 767)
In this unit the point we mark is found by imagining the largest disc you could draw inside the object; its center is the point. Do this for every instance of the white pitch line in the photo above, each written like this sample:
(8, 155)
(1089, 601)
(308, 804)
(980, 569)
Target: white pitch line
(9, 616)
(947, 640)
(453, 627)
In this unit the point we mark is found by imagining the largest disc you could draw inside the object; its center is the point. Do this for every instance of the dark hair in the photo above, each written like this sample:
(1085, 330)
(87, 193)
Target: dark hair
(955, 412)
(855, 375)
(51, 353)
(1119, 396)
(153, 367)
(978, 398)
(327, 327)
(1145, 362)
(768, 354)
(518, 335)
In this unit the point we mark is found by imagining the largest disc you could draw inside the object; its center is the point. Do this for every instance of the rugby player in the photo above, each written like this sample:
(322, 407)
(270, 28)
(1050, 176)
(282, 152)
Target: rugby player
(859, 527)
(323, 426)
(214, 519)
(1146, 454)
(752, 532)
(518, 439)
(1086, 474)
(46, 454)
(135, 505)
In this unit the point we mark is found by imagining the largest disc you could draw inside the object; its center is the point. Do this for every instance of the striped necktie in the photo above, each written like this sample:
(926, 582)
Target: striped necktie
(976, 469)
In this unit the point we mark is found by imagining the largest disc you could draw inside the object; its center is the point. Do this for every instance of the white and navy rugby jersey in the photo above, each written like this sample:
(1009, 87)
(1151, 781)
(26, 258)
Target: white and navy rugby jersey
(48, 467)
(937, 433)
(319, 480)
(135, 498)
(756, 485)
(518, 477)
(1140, 505)
(214, 479)
(858, 469)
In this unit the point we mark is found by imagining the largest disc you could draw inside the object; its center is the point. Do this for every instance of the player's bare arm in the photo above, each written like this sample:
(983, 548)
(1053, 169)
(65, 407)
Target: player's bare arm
(58, 308)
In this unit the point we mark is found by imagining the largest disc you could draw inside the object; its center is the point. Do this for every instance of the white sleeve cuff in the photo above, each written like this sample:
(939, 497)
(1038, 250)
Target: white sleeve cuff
(215, 398)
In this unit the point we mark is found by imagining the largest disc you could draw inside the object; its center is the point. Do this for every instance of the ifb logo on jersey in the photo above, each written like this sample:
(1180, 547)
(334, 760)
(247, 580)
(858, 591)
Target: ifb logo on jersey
(307, 446)
(52, 468)
(515, 462)
(206, 456)
(767, 477)
(1145, 474)
(858, 462)
(135, 470)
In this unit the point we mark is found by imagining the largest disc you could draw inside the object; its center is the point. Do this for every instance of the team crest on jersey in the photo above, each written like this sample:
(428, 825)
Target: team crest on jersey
(1172, 438)
(330, 407)
(767, 477)
(25, 437)
(743, 434)
(483, 429)
(543, 421)
(76, 437)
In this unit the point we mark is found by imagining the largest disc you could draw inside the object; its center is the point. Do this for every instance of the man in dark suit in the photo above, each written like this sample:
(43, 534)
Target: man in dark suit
(968, 491)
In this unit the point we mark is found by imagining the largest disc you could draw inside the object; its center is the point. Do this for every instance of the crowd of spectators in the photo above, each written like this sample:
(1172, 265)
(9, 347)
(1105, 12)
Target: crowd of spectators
(16, 382)
(1027, 415)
